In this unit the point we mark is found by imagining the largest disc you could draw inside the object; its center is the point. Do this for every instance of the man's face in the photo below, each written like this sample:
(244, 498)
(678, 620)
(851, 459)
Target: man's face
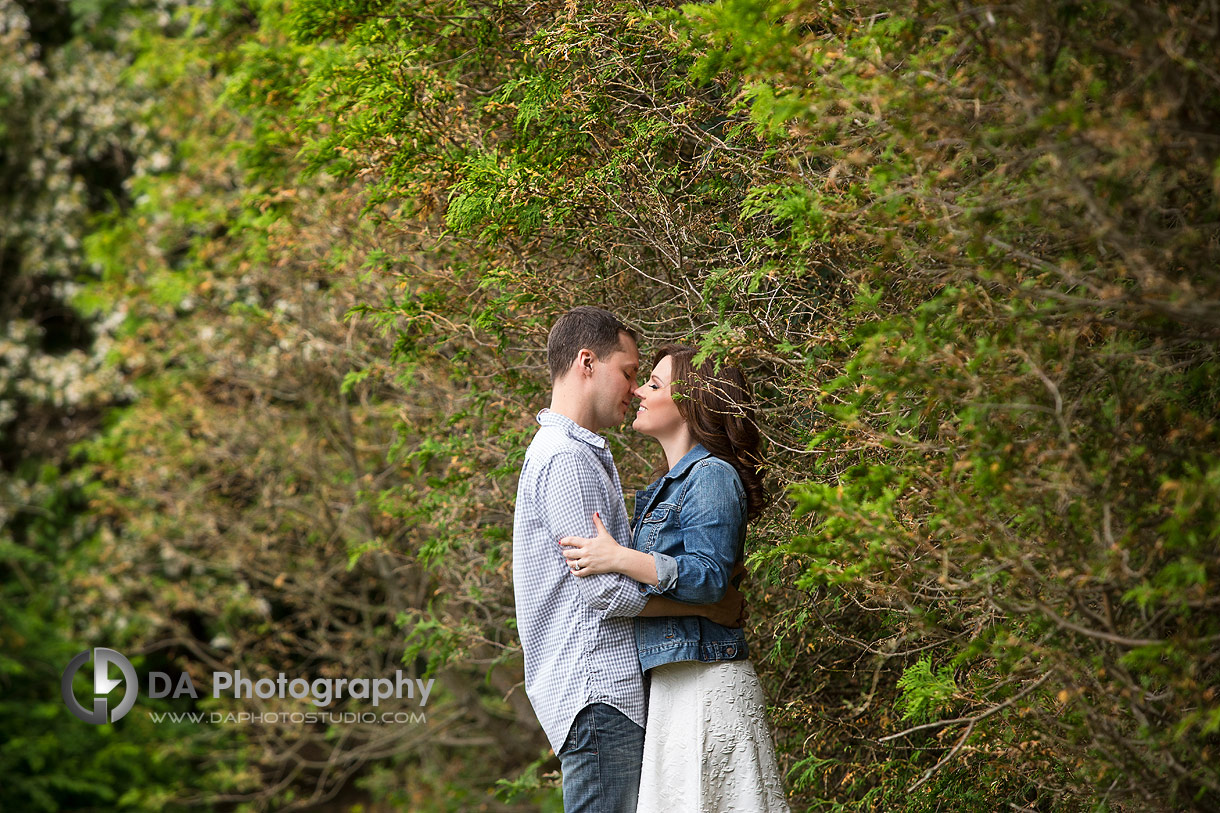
(614, 383)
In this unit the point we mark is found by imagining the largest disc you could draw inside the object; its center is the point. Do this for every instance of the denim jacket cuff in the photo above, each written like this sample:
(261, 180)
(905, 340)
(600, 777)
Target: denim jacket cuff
(667, 574)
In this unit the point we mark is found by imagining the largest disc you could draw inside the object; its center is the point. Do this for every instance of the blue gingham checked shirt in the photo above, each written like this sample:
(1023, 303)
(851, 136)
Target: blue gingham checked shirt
(577, 632)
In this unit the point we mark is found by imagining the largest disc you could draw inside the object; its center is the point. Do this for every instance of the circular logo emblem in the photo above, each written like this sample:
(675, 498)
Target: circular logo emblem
(102, 686)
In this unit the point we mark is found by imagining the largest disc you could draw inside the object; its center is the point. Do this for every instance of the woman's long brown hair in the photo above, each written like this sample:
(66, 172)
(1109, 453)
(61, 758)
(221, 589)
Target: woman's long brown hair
(718, 408)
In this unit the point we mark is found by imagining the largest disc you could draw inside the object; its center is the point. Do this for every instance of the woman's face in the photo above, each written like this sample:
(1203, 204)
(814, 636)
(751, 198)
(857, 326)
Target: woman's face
(658, 415)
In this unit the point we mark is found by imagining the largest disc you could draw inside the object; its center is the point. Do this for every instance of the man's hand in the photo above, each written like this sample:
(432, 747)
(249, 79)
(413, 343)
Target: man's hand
(731, 610)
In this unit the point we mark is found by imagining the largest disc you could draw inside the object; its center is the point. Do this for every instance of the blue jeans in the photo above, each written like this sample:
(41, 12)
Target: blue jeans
(601, 761)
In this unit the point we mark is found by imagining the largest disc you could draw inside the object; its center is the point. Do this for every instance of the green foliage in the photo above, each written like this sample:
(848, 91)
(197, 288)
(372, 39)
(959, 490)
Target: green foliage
(50, 759)
(856, 203)
(968, 256)
(531, 784)
(925, 694)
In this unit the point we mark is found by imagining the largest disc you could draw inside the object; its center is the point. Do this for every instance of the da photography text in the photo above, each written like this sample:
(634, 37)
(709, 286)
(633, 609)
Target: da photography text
(319, 691)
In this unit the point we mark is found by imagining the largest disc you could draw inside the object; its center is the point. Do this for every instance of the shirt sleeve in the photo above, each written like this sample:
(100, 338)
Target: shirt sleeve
(711, 521)
(568, 492)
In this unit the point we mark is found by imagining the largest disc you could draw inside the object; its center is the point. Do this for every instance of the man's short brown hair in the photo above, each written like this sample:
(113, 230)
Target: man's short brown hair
(583, 327)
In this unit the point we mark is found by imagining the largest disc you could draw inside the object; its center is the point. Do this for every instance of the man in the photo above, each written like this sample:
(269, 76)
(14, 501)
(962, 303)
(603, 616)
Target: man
(582, 670)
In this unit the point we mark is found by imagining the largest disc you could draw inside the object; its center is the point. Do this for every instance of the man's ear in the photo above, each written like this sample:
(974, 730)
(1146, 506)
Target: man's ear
(584, 361)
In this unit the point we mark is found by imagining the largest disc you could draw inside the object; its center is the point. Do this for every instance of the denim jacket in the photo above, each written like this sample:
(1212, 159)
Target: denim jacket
(693, 522)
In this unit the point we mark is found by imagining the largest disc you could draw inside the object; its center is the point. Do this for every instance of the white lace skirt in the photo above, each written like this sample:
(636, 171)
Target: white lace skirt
(707, 746)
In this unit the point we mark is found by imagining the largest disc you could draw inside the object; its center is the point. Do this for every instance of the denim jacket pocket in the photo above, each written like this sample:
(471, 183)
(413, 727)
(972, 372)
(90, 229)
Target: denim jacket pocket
(651, 524)
(697, 522)
(659, 513)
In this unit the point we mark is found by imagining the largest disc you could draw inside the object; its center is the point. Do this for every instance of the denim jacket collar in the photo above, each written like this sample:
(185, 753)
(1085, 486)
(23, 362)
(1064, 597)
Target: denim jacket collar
(687, 460)
(548, 418)
(646, 497)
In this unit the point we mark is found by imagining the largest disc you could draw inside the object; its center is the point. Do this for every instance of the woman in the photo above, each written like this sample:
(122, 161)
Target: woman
(707, 746)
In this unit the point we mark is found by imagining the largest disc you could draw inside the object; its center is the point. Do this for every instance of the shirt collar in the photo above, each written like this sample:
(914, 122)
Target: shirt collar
(574, 430)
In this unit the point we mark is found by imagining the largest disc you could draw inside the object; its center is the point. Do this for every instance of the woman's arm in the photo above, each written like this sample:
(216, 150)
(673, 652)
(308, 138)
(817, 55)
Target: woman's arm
(712, 521)
(603, 554)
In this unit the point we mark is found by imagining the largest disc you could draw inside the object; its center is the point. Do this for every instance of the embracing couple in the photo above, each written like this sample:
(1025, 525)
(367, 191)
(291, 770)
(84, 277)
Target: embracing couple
(603, 601)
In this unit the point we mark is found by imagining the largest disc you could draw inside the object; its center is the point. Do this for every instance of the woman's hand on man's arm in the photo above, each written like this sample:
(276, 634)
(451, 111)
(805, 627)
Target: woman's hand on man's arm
(603, 554)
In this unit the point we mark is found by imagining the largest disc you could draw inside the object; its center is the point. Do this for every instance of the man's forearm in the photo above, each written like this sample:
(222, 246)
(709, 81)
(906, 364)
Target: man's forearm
(728, 612)
(658, 605)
